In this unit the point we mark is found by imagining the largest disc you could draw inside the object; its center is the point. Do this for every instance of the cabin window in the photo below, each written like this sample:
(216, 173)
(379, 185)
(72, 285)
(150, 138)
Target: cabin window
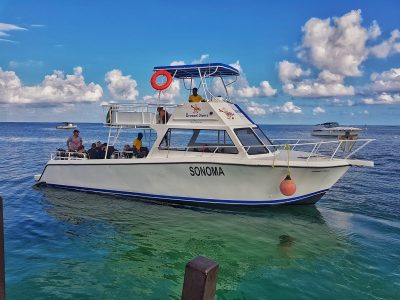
(198, 140)
(252, 144)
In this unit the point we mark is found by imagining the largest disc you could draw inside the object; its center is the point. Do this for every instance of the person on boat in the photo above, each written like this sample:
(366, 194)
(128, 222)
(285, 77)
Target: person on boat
(163, 115)
(195, 97)
(93, 152)
(102, 151)
(128, 151)
(105, 148)
(74, 142)
(138, 148)
(81, 152)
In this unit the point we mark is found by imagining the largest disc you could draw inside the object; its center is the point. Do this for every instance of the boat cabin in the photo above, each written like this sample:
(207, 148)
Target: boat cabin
(213, 127)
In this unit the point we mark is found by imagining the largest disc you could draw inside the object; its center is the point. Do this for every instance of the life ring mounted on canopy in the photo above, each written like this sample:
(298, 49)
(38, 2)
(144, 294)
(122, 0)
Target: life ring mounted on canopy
(157, 74)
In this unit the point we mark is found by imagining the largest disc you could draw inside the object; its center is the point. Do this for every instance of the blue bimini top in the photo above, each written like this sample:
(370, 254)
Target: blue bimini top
(194, 71)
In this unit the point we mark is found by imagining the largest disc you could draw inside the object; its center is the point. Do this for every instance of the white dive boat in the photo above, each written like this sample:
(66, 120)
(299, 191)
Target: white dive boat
(66, 125)
(333, 129)
(206, 152)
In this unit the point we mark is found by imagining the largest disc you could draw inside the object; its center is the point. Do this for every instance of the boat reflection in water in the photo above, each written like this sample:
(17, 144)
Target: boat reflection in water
(148, 243)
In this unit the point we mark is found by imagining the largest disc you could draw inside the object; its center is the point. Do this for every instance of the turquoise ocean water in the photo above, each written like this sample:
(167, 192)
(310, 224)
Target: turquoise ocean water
(74, 245)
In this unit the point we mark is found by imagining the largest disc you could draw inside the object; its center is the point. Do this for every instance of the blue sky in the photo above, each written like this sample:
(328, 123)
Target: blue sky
(303, 62)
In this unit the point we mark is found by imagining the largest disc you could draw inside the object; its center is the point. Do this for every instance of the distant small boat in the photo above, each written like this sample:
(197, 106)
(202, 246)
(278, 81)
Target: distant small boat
(66, 125)
(333, 129)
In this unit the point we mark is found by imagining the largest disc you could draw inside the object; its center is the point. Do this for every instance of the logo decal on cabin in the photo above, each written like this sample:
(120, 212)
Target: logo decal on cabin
(196, 109)
(229, 115)
(196, 112)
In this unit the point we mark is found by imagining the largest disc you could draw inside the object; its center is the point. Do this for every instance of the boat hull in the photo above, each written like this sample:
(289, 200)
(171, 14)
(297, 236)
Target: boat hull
(189, 182)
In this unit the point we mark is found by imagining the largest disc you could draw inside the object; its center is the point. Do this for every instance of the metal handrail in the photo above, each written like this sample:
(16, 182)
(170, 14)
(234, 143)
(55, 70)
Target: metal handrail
(134, 106)
(277, 147)
(273, 149)
(67, 155)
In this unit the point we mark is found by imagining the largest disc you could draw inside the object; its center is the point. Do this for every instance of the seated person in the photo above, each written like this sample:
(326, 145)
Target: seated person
(195, 97)
(110, 150)
(138, 149)
(81, 152)
(163, 115)
(102, 151)
(93, 152)
(128, 151)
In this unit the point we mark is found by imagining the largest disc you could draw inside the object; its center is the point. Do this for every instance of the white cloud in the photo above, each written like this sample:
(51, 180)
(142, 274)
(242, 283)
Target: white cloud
(374, 30)
(169, 95)
(8, 41)
(177, 63)
(314, 89)
(291, 71)
(289, 107)
(256, 110)
(25, 64)
(4, 27)
(340, 102)
(387, 81)
(329, 77)
(387, 47)
(318, 110)
(10, 27)
(263, 109)
(56, 88)
(247, 91)
(121, 87)
(337, 46)
(383, 98)
(203, 59)
(266, 89)
(241, 88)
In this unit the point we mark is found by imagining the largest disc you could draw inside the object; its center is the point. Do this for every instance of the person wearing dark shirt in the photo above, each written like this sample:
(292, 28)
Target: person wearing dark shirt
(93, 152)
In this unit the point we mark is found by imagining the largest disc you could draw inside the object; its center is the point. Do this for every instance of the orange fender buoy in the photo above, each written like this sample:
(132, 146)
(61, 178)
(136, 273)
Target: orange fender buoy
(154, 83)
(288, 186)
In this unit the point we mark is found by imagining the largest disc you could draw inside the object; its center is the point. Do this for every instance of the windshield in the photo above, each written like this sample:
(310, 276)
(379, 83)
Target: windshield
(198, 140)
(262, 136)
(252, 144)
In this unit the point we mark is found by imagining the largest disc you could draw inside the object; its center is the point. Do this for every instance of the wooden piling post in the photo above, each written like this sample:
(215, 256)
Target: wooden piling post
(200, 279)
(2, 266)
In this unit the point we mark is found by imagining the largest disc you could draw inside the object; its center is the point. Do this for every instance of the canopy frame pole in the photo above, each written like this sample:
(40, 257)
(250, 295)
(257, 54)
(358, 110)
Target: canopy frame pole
(226, 89)
(203, 83)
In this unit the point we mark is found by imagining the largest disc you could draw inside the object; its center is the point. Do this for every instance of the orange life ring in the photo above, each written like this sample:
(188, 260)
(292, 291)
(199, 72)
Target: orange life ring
(153, 80)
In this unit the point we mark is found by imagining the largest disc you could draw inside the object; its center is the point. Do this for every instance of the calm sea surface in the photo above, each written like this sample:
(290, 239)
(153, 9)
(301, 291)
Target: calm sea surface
(74, 245)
